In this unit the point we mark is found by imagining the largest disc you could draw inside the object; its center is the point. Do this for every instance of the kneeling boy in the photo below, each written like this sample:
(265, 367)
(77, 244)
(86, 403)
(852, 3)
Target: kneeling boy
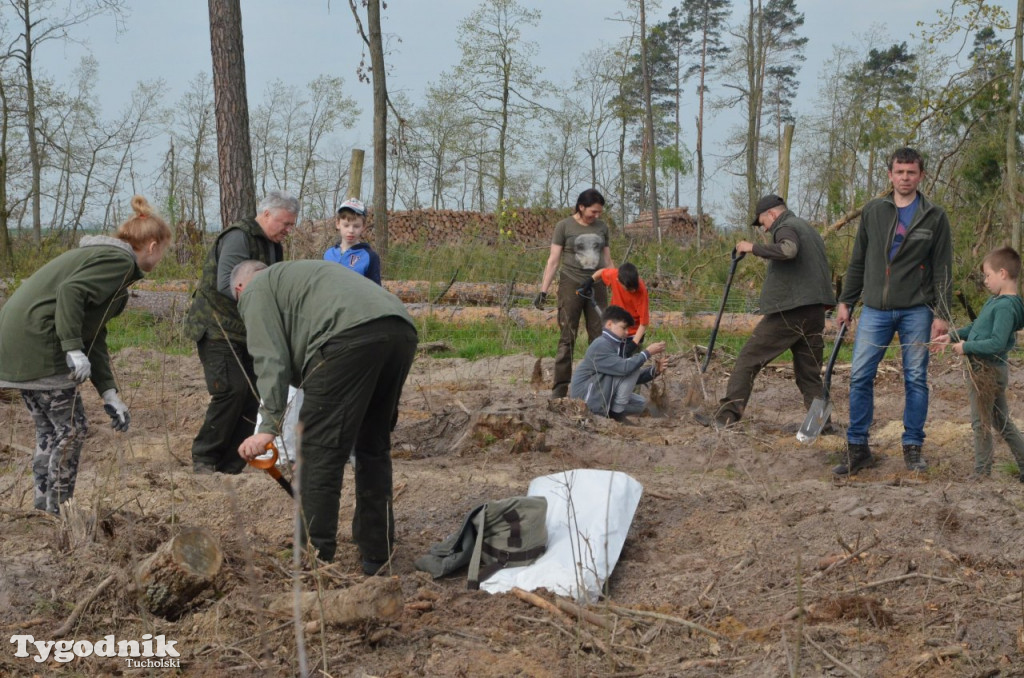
(605, 378)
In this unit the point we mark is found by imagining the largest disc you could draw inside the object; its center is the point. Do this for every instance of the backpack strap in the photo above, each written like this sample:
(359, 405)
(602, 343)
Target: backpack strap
(502, 558)
(474, 562)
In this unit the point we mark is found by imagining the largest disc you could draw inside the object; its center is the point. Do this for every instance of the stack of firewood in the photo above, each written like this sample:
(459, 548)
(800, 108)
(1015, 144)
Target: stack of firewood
(676, 223)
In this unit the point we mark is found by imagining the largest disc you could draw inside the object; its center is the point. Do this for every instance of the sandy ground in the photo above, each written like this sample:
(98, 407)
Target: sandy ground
(726, 571)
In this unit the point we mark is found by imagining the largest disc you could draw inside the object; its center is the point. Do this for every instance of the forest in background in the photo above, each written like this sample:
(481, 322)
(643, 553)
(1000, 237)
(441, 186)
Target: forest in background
(492, 135)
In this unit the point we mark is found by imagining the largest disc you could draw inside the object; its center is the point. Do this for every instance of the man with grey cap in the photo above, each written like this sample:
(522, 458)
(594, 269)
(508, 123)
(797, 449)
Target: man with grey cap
(796, 293)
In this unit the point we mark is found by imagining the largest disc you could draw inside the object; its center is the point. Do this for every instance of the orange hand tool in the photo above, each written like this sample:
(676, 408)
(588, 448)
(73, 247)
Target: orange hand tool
(268, 463)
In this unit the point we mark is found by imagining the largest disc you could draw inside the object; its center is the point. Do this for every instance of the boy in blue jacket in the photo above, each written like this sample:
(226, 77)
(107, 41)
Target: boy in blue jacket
(605, 378)
(351, 252)
(986, 342)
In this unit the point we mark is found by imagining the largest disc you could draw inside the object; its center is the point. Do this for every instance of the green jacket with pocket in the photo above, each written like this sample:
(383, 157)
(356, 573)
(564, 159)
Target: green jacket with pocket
(65, 306)
(921, 273)
(294, 308)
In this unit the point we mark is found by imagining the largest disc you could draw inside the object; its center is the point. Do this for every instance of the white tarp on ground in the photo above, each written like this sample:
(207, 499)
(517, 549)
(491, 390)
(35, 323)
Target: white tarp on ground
(589, 514)
(286, 441)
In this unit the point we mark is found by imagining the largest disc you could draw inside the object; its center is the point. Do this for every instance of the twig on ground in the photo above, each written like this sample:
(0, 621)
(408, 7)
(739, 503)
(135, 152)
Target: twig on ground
(582, 613)
(850, 556)
(80, 608)
(18, 514)
(947, 652)
(829, 656)
(669, 618)
(902, 577)
(543, 604)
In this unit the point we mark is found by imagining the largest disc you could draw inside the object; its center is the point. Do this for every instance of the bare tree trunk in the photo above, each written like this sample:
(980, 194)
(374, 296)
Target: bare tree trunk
(755, 83)
(649, 120)
(700, 136)
(355, 174)
(6, 256)
(30, 127)
(1012, 189)
(785, 148)
(234, 154)
(380, 131)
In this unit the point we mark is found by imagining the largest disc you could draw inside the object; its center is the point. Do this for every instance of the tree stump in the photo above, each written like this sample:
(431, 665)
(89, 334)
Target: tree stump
(182, 568)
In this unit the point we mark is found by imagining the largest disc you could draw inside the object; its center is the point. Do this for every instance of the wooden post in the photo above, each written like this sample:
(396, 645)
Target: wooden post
(784, 150)
(181, 569)
(355, 175)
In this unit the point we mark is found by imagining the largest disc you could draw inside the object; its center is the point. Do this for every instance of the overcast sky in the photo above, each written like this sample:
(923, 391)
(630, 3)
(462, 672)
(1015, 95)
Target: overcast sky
(297, 40)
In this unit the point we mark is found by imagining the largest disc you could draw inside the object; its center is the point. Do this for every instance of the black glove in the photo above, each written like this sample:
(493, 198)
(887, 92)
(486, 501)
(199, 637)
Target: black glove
(586, 289)
(538, 301)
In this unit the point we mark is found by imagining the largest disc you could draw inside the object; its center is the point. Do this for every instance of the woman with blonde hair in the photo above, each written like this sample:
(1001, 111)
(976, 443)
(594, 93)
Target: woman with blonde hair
(53, 336)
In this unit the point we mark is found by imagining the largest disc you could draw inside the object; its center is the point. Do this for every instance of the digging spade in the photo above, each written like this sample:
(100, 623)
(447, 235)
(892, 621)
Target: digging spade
(821, 408)
(268, 463)
(694, 396)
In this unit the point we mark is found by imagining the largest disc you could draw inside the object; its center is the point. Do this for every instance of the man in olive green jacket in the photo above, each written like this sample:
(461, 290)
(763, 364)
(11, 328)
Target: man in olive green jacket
(349, 344)
(214, 324)
(796, 293)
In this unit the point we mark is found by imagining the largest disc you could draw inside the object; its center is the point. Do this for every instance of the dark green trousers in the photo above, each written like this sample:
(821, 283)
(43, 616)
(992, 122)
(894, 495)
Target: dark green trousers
(799, 330)
(570, 307)
(351, 387)
(231, 414)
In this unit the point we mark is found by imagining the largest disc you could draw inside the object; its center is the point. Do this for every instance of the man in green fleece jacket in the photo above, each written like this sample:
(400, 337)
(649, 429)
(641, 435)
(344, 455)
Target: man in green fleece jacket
(902, 269)
(986, 342)
(349, 344)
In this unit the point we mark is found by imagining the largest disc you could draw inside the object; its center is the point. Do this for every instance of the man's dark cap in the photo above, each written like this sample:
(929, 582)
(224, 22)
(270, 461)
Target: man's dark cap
(766, 203)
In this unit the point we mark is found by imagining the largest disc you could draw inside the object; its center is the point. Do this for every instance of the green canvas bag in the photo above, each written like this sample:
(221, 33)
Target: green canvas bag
(507, 533)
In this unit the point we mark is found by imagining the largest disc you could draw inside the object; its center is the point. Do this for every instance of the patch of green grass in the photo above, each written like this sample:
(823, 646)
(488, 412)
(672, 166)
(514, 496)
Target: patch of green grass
(144, 330)
(1010, 468)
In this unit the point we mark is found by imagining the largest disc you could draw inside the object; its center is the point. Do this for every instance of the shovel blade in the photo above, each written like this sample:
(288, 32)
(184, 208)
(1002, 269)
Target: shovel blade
(815, 420)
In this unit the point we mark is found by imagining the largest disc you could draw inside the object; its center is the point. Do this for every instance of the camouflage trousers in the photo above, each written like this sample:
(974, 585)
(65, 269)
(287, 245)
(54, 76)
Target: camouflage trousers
(60, 433)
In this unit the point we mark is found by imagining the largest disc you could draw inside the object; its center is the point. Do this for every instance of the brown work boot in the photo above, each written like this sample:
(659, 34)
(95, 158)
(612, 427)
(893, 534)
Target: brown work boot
(913, 459)
(858, 456)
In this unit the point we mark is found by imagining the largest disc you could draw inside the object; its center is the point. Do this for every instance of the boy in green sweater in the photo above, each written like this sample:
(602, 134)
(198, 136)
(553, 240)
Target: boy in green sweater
(986, 342)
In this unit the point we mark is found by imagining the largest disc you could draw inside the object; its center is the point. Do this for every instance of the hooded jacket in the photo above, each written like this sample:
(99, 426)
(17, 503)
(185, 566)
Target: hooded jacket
(921, 273)
(65, 306)
(359, 258)
(602, 368)
(993, 332)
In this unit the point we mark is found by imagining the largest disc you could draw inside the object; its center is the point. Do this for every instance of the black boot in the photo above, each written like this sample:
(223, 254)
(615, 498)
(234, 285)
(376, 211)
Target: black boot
(858, 456)
(622, 418)
(913, 459)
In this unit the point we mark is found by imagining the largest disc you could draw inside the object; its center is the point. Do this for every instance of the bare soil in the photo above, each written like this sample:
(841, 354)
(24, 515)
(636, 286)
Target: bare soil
(726, 571)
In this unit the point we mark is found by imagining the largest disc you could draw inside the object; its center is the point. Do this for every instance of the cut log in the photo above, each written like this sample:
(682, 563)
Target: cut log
(182, 568)
(660, 320)
(374, 599)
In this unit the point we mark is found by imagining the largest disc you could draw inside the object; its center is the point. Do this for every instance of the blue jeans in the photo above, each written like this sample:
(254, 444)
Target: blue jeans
(875, 331)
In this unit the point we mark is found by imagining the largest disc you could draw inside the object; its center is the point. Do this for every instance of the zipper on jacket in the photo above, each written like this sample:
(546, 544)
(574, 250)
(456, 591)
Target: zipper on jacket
(888, 246)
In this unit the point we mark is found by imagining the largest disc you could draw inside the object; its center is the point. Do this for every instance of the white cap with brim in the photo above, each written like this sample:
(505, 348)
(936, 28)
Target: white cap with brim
(353, 205)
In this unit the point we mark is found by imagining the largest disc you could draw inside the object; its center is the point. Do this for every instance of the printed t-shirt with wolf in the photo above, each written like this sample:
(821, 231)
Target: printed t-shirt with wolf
(582, 248)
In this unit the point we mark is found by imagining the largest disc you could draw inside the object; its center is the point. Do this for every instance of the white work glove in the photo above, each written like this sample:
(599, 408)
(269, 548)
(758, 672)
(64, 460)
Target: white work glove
(80, 366)
(118, 411)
